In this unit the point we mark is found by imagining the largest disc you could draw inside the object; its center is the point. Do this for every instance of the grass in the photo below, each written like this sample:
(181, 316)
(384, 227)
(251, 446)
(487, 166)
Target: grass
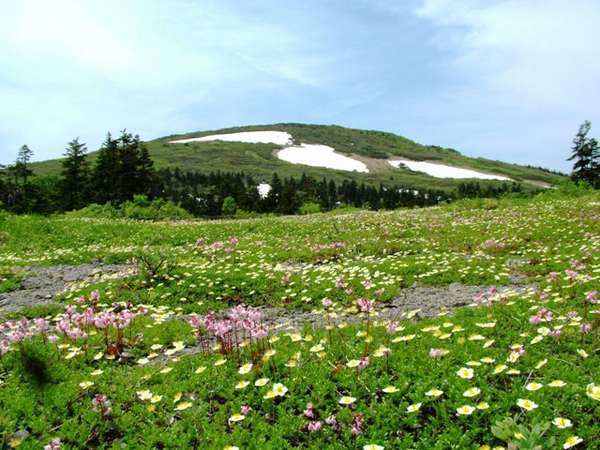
(260, 160)
(160, 398)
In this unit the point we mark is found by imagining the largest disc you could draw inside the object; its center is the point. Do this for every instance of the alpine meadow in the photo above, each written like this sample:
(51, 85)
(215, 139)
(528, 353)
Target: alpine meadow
(404, 254)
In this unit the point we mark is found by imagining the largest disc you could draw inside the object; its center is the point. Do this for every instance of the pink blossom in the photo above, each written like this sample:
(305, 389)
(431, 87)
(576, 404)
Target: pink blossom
(436, 352)
(333, 423)
(556, 332)
(592, 296)
(535, 319)
(358, 422)
(245, 409)
(585, 328)
(392, 326)
(365, 305)
(309, 411)
(571, 274)
(102, 405)
(363, 362)
(314, 426)
(326, 302)
(54, 444)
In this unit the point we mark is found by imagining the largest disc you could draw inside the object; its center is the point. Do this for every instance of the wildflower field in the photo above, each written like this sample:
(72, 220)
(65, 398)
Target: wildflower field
(278, 333)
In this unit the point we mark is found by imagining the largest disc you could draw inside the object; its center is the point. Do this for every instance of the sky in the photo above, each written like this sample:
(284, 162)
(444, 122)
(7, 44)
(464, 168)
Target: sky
(502, 79)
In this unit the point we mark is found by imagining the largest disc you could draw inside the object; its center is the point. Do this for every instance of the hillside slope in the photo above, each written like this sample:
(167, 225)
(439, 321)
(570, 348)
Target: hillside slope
(373, 148)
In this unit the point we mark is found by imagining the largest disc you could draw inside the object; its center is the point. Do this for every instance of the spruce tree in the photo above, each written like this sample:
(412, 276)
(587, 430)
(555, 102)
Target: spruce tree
(586, 154)
(106, 171)
(76, 176)
(21, 167)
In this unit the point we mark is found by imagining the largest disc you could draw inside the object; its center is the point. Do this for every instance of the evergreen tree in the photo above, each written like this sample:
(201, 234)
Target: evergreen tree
(21, 168)
(106, 170)
(76, 176)
(229, 206)
(586, 154)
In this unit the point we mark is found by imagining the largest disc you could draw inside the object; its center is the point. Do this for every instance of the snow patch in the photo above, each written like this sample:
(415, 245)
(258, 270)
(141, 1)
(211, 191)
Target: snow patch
(320, 156)
(251, 137)
(263, 189)
(443, 171)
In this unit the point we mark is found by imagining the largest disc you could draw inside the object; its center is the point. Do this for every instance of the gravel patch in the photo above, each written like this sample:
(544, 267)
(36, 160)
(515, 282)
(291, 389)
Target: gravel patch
(43, 284)
(423, 302)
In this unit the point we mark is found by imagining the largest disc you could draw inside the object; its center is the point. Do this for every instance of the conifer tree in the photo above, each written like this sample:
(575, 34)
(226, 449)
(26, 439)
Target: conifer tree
(21, 168)
(76, 175)
(106, 170)
(586, 154)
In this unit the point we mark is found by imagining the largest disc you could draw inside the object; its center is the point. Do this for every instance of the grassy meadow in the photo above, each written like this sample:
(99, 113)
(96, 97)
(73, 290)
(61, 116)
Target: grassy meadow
(143, 362)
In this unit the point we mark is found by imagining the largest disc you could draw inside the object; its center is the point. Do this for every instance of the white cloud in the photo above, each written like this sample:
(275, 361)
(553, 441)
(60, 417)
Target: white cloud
(528, 66)
(70, 67)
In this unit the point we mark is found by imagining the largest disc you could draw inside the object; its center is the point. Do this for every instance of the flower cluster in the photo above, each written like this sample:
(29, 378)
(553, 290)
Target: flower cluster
(239, 324)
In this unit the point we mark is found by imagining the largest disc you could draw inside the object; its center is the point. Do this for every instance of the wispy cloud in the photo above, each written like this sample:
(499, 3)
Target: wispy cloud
(528, 68)
(497, 78)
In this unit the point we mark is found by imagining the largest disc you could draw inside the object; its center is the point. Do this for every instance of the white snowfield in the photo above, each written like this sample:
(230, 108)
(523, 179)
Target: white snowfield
(251, 137)
(320, 156)
(443, 171)
(263, 189)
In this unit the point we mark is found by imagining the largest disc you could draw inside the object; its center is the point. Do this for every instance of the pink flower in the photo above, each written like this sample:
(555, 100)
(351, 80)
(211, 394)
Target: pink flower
(358, 422)
(326, 302)
(367, 284)
(245, 409)
(436, 352)
(592, 296)
(585, 328)
(333, 423)
(392, 327)
(571, 274)
(102, 405)
(478, 298)
(555, 333)
(54, 444)
(363, 362)
(552, 276)
(309, 411)
(365, 305)
(314, 426)
(535, 319)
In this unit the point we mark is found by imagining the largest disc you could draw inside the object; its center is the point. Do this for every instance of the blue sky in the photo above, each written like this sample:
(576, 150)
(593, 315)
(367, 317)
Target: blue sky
(504, 79)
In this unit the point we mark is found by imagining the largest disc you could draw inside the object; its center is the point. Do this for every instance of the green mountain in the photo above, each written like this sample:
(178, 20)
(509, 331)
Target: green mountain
(373, 148)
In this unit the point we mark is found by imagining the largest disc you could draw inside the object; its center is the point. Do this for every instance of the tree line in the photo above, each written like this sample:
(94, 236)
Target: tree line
(124, 169)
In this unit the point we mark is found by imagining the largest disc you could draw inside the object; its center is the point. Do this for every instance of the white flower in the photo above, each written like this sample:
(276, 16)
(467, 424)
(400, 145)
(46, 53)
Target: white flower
(465, 410)
(561, 422)
(465, 373)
